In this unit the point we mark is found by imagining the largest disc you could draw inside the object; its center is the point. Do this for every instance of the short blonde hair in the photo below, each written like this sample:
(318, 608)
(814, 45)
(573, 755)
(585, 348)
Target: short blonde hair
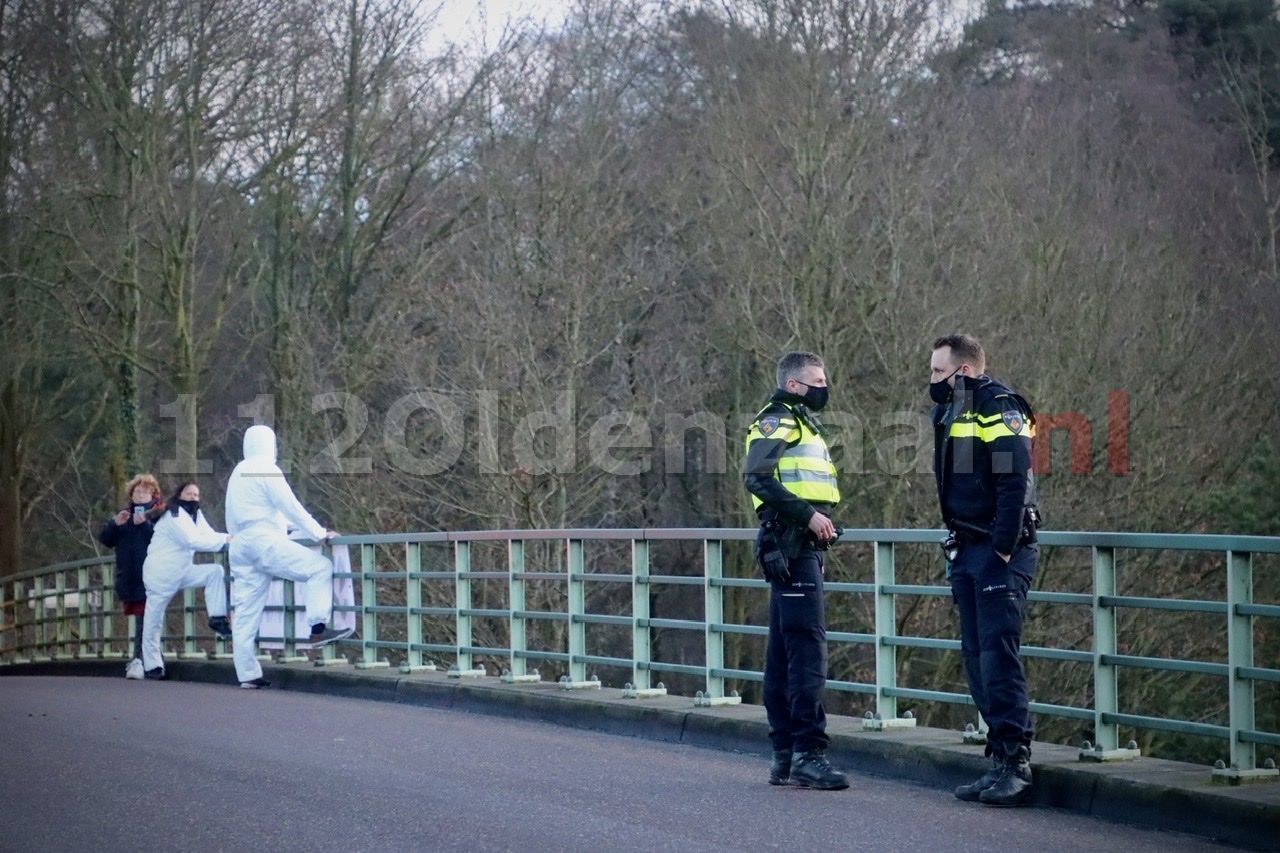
(147, 480)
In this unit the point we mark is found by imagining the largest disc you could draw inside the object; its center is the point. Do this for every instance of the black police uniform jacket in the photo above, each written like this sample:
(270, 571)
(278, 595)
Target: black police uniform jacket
(982, 458)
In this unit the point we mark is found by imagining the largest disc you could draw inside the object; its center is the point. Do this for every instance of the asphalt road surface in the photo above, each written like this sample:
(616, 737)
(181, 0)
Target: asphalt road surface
(93, 764)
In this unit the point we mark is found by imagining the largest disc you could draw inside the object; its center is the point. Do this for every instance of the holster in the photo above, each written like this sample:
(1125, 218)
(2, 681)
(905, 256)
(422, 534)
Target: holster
(1030, 524)
(771, 556)
(787, 538)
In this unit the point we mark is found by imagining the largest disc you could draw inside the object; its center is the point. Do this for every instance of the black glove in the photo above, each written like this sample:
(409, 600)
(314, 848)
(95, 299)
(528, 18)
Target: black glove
(769, 556)
(774, 566)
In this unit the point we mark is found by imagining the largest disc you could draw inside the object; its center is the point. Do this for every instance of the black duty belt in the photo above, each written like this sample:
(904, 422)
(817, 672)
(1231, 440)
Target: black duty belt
(972, 531)
(969, 531)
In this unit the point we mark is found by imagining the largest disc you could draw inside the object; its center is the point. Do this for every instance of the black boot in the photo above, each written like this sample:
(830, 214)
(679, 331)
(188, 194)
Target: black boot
(780, 772)
(969, 793)
(1013, 788)
(812, 770)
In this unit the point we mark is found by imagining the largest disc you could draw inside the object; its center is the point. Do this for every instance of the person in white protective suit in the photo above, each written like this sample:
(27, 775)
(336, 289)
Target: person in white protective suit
(257, 497)
(180, 532)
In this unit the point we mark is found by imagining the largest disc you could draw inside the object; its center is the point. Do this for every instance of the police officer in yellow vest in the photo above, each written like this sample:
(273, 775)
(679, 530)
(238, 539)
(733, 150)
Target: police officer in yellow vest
(792, 482)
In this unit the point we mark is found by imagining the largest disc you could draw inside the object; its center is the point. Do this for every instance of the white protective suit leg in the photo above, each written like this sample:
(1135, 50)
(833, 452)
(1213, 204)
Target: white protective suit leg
(291, 561)
(282, 558)
(162, 585)
(249, 593)
(215, 587)
(158, 596)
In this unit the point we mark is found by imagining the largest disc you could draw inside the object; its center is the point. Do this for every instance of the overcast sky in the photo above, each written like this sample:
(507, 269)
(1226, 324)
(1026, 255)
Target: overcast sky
(471, 19)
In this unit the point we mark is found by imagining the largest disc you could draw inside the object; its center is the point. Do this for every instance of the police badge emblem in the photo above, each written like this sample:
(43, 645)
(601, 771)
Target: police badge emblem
(768, 425)
(1013, 420)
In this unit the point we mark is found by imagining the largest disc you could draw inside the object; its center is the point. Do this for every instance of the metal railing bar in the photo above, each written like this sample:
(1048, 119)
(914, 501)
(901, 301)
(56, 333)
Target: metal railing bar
(1185, 727)
(1167, 664)
(1180, 604)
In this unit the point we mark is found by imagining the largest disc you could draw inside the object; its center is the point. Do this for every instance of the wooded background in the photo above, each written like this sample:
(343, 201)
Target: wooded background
(543, 282)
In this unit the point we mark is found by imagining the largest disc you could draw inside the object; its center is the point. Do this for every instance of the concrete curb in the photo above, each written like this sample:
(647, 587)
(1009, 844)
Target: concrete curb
(1148, 792)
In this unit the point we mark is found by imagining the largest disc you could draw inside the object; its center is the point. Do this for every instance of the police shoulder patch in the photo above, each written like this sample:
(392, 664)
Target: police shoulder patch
(1013, 420)
(768, 425)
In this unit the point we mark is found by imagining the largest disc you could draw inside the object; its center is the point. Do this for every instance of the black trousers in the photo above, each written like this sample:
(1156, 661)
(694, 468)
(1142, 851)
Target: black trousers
(991, 596)
(795, 667)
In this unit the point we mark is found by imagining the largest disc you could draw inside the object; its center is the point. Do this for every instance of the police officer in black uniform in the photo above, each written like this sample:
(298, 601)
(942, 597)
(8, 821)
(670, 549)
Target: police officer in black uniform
(792, 482)
(982, 461)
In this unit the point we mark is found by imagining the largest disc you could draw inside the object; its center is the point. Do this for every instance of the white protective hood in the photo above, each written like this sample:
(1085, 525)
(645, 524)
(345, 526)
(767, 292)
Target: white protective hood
(260, 443)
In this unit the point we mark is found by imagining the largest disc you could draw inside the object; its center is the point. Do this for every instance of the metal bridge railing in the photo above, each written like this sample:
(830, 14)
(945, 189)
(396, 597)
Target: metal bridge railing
(68, 611)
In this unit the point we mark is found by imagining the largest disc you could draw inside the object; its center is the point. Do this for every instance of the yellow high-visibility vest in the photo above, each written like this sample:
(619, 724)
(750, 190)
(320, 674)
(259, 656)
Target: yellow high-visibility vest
(805, 468)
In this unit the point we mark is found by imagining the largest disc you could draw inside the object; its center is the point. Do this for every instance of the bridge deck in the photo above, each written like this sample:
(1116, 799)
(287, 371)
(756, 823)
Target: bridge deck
(1165, 795)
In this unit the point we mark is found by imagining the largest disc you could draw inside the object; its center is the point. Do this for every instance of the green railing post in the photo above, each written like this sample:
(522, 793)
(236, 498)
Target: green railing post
(62, 631)
(188, 623)
(412, 602)
(1243, 756)
(17, 646)
(368, 600)
(462, 602)
(86, 610)
(108, 609)
(221, 650)
(713, 604)
(518, 625)
(9, 619)
(39, 621)
(32, 601)
(35, 604)
(577, 609)
(9, 635)
(8, 626)
(289, 646)
(641, 639)
(1105, 691)
(885, 628)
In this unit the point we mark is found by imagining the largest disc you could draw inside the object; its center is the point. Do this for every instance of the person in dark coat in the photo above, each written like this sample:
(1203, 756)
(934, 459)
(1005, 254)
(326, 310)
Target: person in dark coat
(987, 493)
(129, 533)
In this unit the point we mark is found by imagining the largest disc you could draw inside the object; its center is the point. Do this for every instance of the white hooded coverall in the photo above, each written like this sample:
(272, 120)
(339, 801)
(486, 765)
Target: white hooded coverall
(169, 568)
(257, 497)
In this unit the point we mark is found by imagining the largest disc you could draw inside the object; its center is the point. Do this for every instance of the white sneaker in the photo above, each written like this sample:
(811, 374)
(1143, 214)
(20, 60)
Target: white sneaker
(134, 670)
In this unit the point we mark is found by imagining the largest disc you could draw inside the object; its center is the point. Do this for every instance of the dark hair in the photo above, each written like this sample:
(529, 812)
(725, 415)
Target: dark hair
(174, 504)
(790, 365)
(964, 348)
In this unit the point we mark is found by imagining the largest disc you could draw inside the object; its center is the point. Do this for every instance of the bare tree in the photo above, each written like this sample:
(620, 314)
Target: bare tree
(49, 405)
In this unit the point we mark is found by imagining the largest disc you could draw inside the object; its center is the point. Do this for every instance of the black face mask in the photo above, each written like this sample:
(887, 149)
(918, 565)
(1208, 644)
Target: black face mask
(940, 392)
(192, 507)
(815, 396)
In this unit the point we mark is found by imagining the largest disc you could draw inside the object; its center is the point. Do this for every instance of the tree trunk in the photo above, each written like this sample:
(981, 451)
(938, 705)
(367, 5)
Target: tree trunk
(10, 485)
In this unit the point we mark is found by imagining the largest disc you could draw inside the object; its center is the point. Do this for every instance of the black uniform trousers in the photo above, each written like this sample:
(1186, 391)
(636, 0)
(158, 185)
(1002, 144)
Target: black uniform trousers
(991, 596)
(795, 666)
